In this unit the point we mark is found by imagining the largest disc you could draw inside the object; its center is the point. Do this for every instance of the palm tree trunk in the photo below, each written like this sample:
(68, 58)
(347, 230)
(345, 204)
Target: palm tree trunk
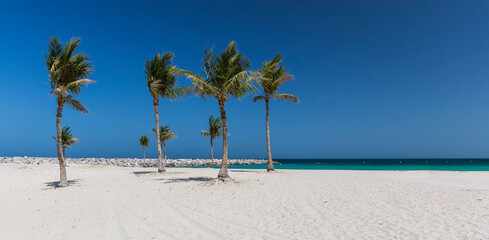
(64, 155)
(161, 167)
(164, 147)
(144, 157)
(63, 181)
(212, 154)
(269, 151)
(223, 172)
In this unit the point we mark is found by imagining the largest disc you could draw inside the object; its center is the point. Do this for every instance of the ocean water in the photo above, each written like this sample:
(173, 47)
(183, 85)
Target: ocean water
(438, 164)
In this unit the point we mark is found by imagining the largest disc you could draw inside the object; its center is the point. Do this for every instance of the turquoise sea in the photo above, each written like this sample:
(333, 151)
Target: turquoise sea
(439, 164)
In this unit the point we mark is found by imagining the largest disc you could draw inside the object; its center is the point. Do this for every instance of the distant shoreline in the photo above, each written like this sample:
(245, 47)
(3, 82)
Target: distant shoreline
(128, 162)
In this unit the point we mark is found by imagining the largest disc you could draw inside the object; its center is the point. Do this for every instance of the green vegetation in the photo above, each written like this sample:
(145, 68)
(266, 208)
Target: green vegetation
(144, 141)
(215, 130)
(165, 135)
(67, 74)
(161, 81)
(225, 75)
(66, 138)
(272, 76)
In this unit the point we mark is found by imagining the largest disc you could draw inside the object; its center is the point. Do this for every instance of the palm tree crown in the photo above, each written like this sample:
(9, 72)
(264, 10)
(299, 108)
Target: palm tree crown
(165, 133)
(215, 128)
(272, 76)
(223, 75)
(67, 71)
(144, 141)
(161, 77)
(66, 137)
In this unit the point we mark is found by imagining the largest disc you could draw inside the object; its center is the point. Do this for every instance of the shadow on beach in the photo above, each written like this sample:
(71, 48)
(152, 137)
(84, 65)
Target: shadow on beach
(155, 173)
(234, 170)
(55, 184)
(139, 173)
(189, 179)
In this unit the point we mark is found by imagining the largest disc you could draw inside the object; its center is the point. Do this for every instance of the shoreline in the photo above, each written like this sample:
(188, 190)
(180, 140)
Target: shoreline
(128, 162)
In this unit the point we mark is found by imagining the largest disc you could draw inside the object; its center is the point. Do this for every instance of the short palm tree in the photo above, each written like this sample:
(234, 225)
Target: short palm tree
(165, 135)
(144, 141)
(161, 80)
(66, 138)
(271, 76)
(215, 130)
(224, 75)
(67, 73)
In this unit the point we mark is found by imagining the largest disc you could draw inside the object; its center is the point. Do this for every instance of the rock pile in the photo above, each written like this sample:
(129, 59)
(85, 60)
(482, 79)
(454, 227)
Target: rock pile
(128, 162)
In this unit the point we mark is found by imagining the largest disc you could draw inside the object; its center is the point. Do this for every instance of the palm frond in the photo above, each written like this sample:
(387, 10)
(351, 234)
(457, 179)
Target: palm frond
(71, 141)
(258, 98)
(181, 92)
(287, 97)
(79, 83)
(284, 78)
(202, 87)
(205, 133)
(76, 105)
(240, 84)
(69, 49)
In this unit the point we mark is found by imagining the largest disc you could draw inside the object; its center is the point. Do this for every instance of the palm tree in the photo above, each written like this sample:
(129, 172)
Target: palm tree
(66, 138)
(223, 75)
(165, 135)
(215, 130)
(161, 80)
(67, 72)
(271, 77)
(144, 141)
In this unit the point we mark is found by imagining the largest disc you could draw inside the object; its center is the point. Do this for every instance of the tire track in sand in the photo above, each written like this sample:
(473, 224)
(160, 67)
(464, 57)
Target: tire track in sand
(184, 215)
(115, 226)
(193, 226)
(222, 221)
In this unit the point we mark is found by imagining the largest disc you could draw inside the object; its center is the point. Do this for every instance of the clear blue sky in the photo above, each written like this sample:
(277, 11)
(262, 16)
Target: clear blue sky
(375, 78)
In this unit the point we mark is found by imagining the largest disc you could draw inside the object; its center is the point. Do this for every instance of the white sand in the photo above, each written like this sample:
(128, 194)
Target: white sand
(114, 203)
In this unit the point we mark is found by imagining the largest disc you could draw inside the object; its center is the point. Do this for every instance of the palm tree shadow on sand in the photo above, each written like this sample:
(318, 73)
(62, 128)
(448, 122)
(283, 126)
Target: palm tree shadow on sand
(156, 173)
(189, 179)
(140, 173)
(248, 171)
(55, 184)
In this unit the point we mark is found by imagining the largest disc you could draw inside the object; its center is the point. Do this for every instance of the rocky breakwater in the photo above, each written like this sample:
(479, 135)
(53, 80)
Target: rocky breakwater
(128, 162)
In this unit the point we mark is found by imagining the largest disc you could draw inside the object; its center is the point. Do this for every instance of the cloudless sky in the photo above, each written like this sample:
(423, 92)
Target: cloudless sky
(375, 78)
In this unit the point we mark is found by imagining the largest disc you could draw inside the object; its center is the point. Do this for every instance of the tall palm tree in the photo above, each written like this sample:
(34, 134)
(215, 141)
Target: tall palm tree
(215, 130)
(67, 72)
(66, 138)
(165, 135)
(161, 80)
(271, 77)
(224, 75)
(144, 141)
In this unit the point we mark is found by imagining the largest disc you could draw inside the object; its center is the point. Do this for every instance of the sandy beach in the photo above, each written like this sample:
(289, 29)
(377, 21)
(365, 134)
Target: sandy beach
(106, 202)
